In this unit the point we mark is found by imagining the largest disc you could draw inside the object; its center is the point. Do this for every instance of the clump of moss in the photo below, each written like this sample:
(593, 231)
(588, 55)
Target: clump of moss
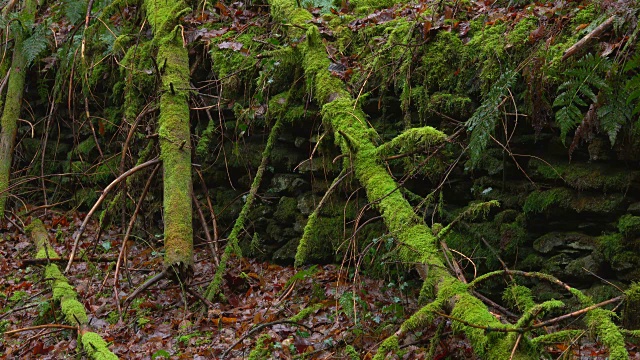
(261, 350)
(539, 201)
(583, 176)
(519, 35)
(629, 225)
(518, 296)
(486, 52)
(287, 210)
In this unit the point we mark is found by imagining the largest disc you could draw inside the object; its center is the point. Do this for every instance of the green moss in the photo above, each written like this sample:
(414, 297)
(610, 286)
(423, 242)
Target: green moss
(304, 313)
(287, 210)
(40, 237)
(321, 236)
(486, 51)
(174, 134)
(229, 64)
(441, 63)
(471, 309)
(583, 176)
(519, 35)
(412, 140)
(96, 347)
(367, 6)
(629, 225)
(518, 296)
(585, 15)
(599, 320)
(455, 105)
(633, 292)
(351, 352)
(261, 349)
(561, 336)
(388, 345)
(423, 317)
(539, 201)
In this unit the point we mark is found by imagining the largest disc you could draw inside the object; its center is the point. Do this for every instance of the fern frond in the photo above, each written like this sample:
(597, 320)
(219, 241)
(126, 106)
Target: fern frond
(585, 80)
(74, 10)
(35, 44)
(615, 113)
(633, 84)
(484, 119)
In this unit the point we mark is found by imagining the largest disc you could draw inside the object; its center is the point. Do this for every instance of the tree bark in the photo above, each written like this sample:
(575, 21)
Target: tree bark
(174, 133)
(12, 106)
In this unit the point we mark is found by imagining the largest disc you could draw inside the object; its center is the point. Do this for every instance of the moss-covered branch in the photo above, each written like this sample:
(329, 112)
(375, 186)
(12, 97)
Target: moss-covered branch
(63, 292)
(213, 289)
(411, 141)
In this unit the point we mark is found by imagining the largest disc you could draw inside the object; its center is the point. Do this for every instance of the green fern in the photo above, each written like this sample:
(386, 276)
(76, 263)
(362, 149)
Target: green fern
(633, 84)
(484, 119)
(615, 112)
(35, 44)
(585, 79)
(74, 10)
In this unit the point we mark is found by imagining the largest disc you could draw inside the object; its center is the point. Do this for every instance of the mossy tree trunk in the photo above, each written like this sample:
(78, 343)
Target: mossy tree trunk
(174, 133)
(13, 102)
(344, 115)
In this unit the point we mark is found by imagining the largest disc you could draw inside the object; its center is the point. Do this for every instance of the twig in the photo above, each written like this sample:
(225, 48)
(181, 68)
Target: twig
(123, 246)
(593, 34)
(191, 291)
(26, 262)
(515, 347)
(159, 276)
(97, 204)
(205, 228)
(2, 316)
(213, 213)
(45, 326)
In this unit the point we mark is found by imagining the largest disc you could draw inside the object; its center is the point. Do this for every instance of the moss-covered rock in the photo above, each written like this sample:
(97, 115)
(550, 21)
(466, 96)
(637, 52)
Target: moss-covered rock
(585, 176)
(570, 242)
(629, 225)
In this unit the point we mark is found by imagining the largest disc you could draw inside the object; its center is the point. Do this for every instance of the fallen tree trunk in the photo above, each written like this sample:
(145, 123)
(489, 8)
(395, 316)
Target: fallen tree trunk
(63, 292)
(419, 246)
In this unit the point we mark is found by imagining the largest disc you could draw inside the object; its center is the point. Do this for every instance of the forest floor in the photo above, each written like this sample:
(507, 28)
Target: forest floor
(163, 322)
(159, 324)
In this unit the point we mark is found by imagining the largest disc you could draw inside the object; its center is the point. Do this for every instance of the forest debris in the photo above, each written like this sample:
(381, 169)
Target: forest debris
(585, 40)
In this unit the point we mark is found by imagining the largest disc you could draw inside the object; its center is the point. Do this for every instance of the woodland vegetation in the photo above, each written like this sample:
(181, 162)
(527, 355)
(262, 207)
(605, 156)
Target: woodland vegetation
(178, 177)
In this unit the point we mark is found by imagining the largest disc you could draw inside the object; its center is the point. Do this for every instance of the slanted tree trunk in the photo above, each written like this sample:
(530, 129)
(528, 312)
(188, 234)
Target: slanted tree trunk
(12, 105)
(175, 147)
